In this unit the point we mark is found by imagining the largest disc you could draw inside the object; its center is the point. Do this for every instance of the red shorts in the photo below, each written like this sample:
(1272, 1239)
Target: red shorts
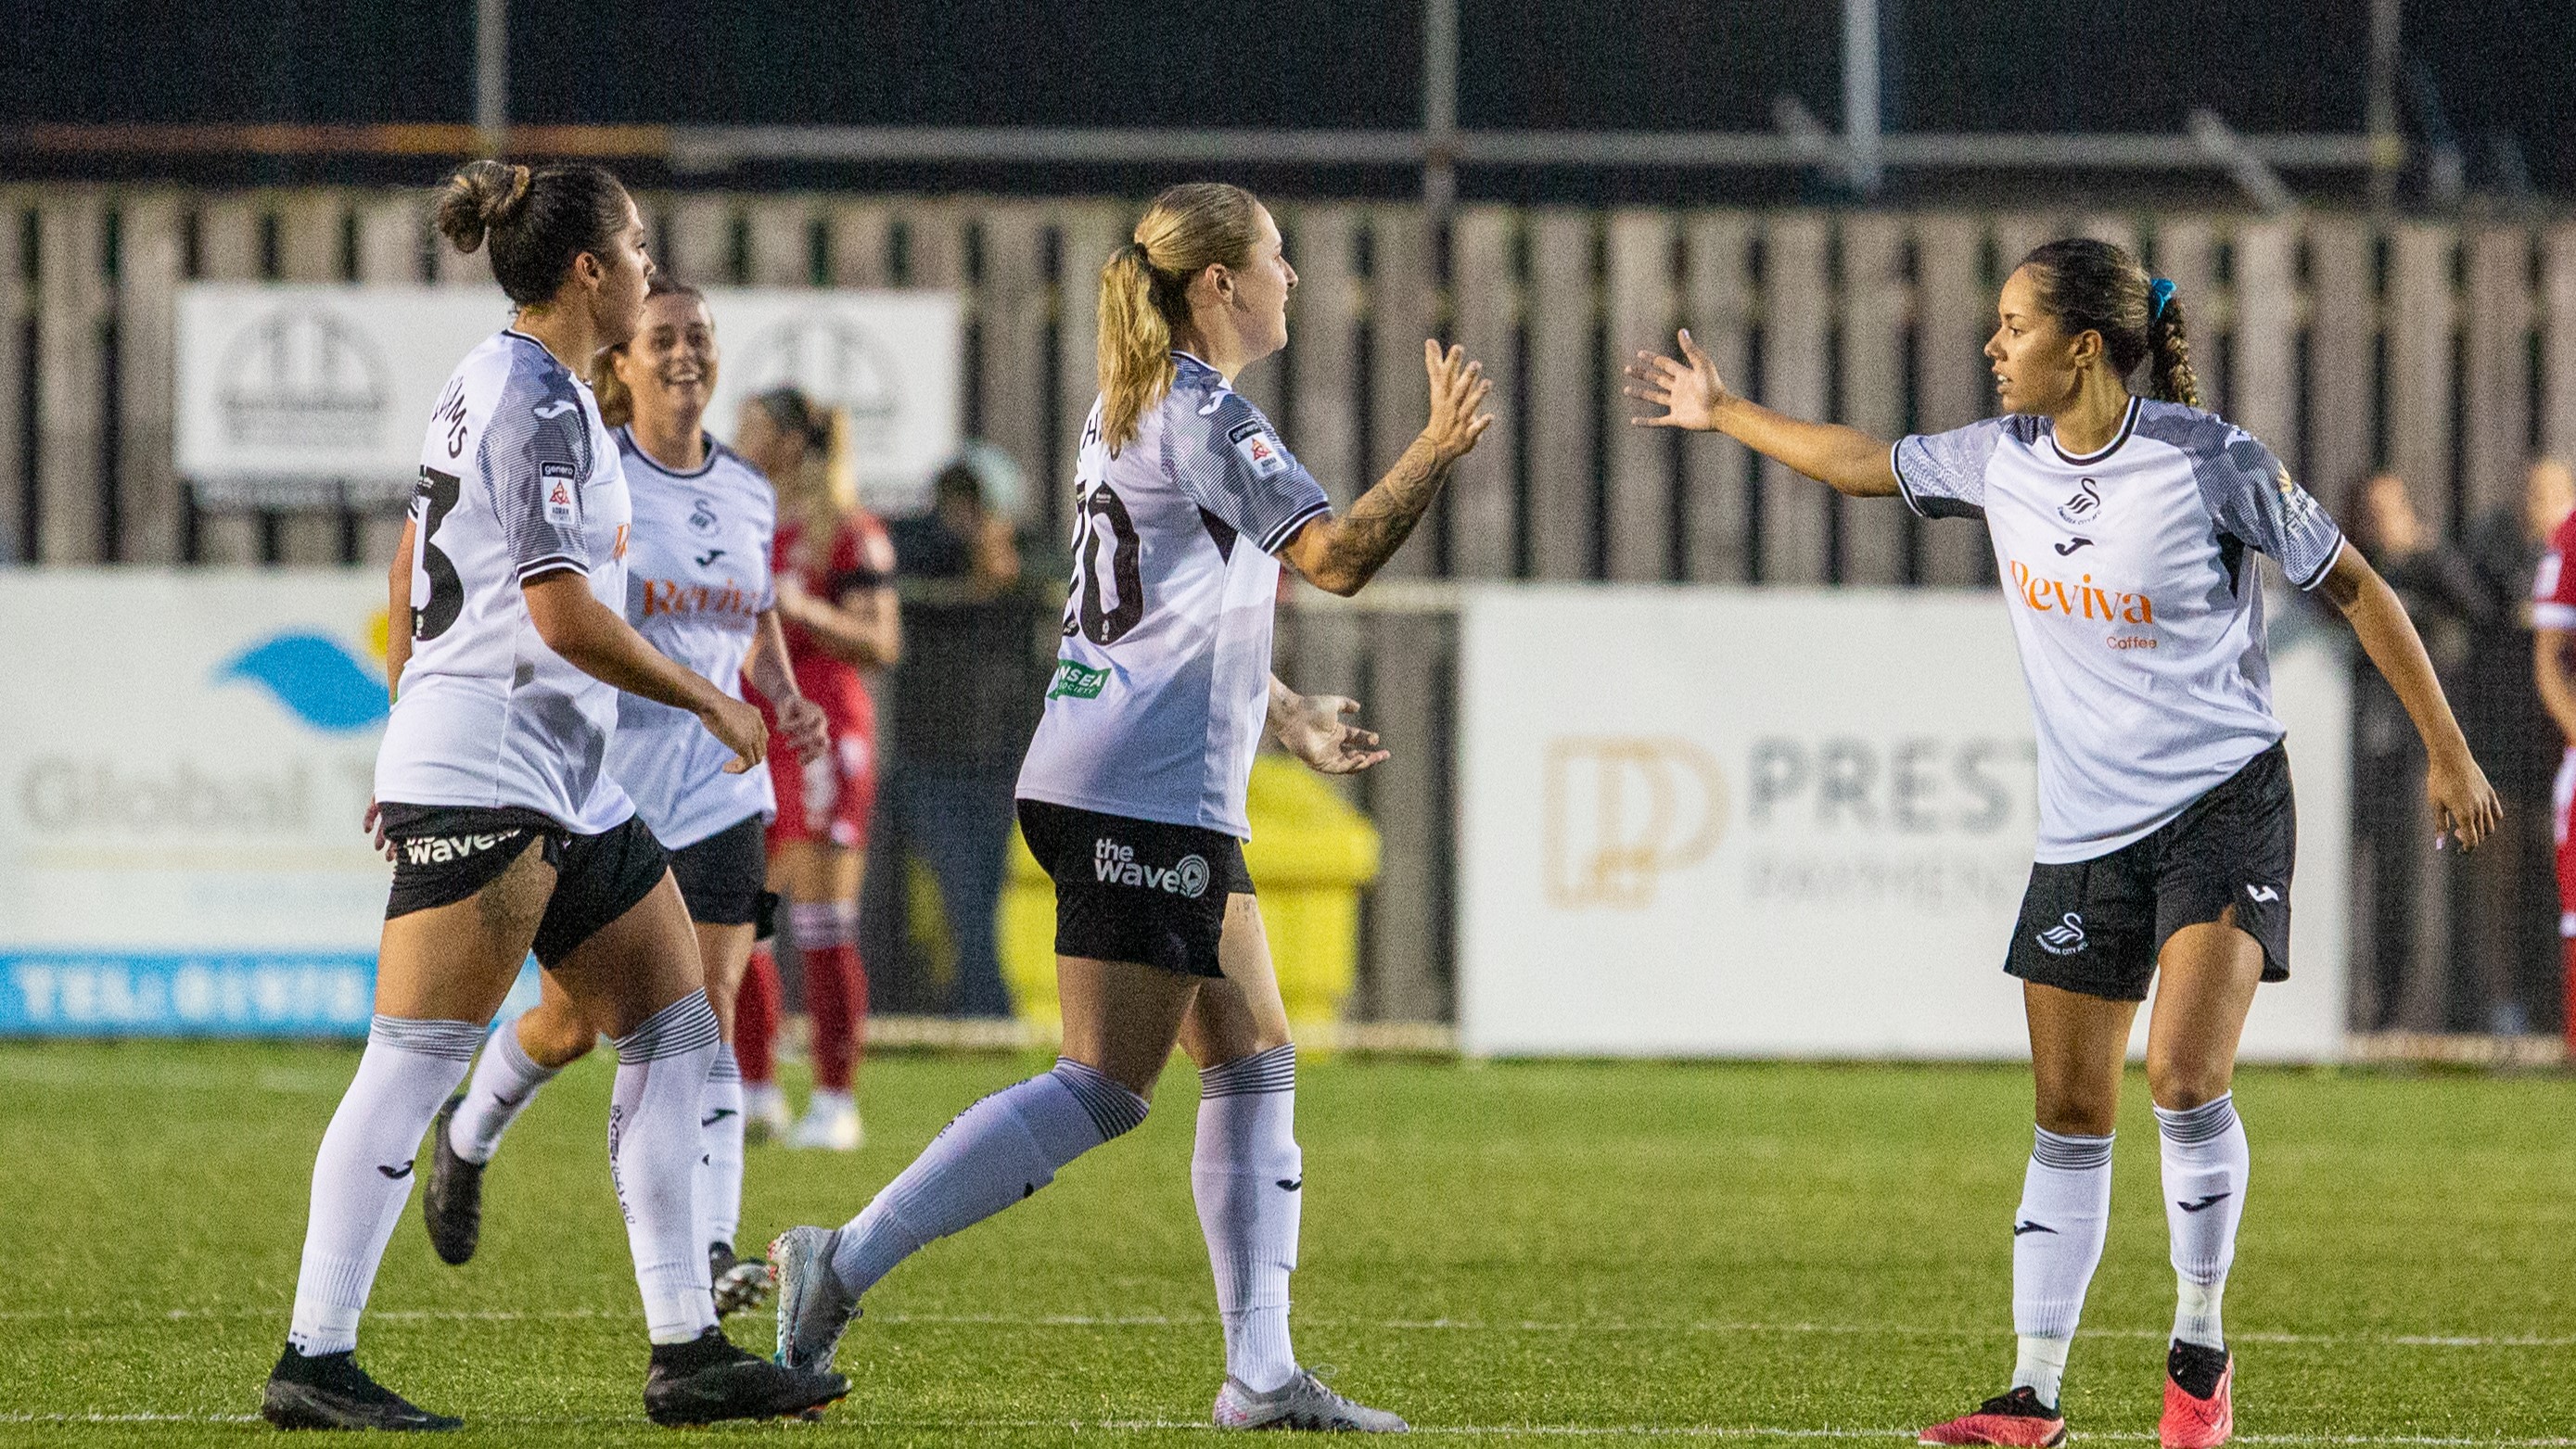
(827, 801)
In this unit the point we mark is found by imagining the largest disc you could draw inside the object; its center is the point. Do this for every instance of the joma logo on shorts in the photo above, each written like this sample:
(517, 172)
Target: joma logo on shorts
(1116, 864)
(441, 849)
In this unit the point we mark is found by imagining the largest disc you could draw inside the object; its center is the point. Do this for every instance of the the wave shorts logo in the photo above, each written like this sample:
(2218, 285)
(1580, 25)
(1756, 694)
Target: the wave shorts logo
(2065, 938)
(1113, 863)
(315, 677)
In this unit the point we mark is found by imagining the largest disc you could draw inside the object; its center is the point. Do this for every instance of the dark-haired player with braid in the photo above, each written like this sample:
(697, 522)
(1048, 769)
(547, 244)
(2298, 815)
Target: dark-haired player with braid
(2121, 526)
(507, 833)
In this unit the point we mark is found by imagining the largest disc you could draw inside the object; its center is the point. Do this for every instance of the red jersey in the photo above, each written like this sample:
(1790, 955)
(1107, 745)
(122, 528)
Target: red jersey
(861, 557)
(2553, 589)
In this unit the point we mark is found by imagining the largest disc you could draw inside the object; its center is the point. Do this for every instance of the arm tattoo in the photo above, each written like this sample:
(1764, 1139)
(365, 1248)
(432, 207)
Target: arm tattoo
(1366, 537)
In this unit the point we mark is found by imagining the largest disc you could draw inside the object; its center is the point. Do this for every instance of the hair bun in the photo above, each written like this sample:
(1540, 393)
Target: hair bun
(481, 197)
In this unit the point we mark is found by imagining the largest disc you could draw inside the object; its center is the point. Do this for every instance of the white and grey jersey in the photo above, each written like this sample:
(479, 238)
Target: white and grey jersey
(1162, 681)
(697, 581)
(2139, 616)
(518, 479)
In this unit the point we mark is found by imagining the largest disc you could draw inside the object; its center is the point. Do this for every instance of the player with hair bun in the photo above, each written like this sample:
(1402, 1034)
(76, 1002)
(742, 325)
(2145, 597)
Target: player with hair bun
(834, 567)
(1133, 795)
(698, 589)
(506, 832)
(2121, 526)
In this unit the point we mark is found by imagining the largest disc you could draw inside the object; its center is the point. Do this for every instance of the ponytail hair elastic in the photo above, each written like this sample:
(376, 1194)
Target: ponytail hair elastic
(2159, 292)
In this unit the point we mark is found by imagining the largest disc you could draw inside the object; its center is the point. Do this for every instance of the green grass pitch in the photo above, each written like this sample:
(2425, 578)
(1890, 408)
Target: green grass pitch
(1545, 1253)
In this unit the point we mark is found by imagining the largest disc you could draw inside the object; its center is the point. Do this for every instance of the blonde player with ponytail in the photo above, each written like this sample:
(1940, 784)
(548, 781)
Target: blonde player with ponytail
(2121, 525)
(1132, 796)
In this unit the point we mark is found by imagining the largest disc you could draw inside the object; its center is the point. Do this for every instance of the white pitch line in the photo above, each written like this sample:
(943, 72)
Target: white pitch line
(1537, 1431)
(1391, 1325)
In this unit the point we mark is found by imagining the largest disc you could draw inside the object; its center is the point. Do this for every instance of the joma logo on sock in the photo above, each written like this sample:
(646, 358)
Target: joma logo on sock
(1116, 864)
(441, 849)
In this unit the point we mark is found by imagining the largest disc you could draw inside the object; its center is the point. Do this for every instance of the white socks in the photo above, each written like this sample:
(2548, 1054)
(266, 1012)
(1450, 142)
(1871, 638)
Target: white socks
(720, 1160)
(1248, 1176)
(995, 1153)
(2205, 1165)
(363, 1174)
(505, 1082)
(2058, 1230)
(653, 1157)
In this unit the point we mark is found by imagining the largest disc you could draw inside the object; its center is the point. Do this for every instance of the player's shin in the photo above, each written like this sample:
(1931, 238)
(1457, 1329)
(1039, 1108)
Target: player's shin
(1248, 1178)
(363, 1174)
(505, 1081)
(720, 1161)
(1002, 1149)
(2205, 1166)
(654, 1141)
(2058, 1232)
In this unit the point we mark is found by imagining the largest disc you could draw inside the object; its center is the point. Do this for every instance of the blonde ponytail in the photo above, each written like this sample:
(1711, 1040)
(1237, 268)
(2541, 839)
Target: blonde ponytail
(1144, 292)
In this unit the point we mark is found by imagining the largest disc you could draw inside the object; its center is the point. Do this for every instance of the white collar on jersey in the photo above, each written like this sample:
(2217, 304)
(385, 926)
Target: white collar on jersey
(626, 436)
(2128, 425)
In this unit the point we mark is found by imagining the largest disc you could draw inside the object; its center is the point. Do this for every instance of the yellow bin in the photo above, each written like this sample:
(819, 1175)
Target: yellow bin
(1309, 854)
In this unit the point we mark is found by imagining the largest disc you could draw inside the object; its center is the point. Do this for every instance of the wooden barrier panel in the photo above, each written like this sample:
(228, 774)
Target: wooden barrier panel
(2266, 396)
(1085, 237)
(1324, 320)
(860, 231)
(2342, 380)
(71, 410)
(1641, 499)
(1874, 312)
(2558, 342)
(780, 240)
(2420, 312)
(16, 307)
(2187, 254)
(1795, 532)
(2495, 381)
(151, 254)
(309, 236)
(1558, 319)
(1717, 473)
(1014, 305)
(391, 232)
(228, 250)
(1403, 300)
(1955, 313)
(701, 230)
(1484, 296)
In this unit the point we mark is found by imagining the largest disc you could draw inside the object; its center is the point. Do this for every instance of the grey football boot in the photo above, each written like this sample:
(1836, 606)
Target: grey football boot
(1301, 1403)
(813, 1308)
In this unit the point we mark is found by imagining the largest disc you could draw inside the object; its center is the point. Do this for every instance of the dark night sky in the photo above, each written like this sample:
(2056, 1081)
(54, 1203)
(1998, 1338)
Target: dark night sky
(2498, 66)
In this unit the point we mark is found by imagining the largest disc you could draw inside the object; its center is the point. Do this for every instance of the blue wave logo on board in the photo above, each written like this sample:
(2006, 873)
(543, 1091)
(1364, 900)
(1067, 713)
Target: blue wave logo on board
(316, 678)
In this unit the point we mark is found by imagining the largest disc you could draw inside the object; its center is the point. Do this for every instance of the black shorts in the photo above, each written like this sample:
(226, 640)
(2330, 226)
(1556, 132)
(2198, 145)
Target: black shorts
(1136, 890)
(446, 853)
(2097, 926)
(724, 876)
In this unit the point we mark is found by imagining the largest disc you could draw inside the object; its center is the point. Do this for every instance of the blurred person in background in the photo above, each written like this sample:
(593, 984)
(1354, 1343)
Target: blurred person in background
(966, 700)
(698, 588)
(2446, 599)
(2553, 618)
(835, 578)
(2510, 886)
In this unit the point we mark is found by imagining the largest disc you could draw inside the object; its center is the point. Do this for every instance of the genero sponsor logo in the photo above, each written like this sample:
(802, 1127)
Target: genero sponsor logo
(1623, 812)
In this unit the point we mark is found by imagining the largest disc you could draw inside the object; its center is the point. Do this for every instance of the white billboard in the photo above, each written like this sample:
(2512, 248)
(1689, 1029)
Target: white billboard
(1698, 822)
(288, 392)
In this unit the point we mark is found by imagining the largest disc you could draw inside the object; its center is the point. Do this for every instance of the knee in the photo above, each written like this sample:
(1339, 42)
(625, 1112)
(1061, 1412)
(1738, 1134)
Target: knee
(2078, 1111)
(555, 1037)
(2179, 1086)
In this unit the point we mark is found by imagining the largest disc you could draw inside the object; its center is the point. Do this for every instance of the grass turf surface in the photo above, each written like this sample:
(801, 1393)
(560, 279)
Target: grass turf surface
(1505, 1251)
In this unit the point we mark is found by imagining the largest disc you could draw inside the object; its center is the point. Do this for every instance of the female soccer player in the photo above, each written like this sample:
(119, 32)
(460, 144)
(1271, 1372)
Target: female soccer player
(505, 831)
(835, 571)
(1132, 795)
(697, 589)
(2121, 525)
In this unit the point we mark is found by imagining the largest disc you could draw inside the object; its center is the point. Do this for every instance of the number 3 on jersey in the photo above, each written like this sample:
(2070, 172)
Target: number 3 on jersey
(446, 590)
(1101, 521)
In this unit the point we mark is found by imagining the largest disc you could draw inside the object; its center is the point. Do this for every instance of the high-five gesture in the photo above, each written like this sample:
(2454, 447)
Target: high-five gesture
(1458, 392)
(1689, 391)
(1340, 554)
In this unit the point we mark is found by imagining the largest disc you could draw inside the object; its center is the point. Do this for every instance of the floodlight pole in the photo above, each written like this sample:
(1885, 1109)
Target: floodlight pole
(1439, 109)
(492, 73)
(1863, 169)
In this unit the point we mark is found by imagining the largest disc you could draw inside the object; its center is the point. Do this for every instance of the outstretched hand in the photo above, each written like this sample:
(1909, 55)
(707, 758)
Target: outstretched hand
(1688, 390)
(1315, 731)
(1458, 392)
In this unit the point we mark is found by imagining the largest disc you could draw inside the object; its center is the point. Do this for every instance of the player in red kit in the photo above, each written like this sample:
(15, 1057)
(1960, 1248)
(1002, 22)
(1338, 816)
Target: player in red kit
(834, 567)
(2553, 621)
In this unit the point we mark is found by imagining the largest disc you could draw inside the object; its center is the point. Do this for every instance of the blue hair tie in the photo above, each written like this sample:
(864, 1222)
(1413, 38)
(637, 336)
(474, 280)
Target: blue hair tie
(2159, 292)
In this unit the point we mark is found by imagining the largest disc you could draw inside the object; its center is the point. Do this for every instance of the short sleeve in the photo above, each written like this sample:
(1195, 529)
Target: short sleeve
(2252, 495)
(1943, 475)
(535, 457)
(1225, 457)
(862, 556)
(2553, 592)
